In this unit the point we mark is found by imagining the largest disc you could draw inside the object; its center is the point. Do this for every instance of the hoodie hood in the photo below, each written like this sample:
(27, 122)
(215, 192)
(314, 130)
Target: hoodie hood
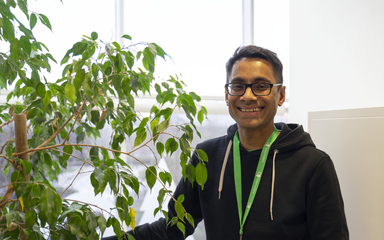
(291, 137)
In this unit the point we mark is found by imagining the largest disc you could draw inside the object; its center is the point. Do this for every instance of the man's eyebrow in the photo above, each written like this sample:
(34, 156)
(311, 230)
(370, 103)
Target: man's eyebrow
(261, 79)
(237, 79)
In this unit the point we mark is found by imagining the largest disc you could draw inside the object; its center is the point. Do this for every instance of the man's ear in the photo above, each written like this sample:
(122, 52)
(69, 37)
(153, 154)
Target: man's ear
(226, 96)
(281, 96)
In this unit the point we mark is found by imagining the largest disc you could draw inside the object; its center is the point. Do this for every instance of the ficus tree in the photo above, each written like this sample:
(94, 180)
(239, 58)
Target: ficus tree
(98, 87)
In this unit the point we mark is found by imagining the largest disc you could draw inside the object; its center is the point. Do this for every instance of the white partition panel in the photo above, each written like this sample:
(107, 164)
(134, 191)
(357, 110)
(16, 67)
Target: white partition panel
(354, 139)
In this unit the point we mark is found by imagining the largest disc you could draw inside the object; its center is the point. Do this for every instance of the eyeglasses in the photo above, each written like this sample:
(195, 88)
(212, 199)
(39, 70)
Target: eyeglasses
(258, 88)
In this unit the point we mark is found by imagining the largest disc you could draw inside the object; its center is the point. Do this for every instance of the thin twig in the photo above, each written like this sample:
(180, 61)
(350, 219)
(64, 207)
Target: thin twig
(73, 180)
(7, 122)
(10, 160)
(102, 209)
(6, 197)
(59, 129)
(5, 144)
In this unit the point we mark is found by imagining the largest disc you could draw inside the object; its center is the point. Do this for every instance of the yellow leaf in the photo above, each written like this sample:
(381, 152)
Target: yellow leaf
(132, 215)
(21, 203)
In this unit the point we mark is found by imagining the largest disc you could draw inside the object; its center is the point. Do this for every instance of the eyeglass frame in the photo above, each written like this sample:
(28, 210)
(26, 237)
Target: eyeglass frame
(250, 86)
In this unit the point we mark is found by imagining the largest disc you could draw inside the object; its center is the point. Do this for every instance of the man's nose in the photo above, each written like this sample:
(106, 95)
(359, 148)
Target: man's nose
(248, 93)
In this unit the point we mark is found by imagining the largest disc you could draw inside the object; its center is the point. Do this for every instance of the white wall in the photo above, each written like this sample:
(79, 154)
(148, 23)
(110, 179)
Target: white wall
(337, 56)
(359, 162)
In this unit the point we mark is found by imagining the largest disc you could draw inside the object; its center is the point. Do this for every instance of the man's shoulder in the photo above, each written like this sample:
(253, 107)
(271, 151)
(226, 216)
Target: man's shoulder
(212, 143)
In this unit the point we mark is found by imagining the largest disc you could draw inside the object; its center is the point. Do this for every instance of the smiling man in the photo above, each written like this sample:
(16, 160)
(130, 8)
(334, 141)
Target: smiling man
(266, 180)
(252, 95)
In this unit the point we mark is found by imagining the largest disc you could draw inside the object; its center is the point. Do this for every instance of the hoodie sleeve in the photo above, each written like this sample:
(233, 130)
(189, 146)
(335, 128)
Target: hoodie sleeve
(160, 230)
(325, 206)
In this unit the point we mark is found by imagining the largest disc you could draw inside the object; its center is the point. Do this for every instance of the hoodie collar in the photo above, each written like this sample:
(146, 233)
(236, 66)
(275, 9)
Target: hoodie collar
(291, 137)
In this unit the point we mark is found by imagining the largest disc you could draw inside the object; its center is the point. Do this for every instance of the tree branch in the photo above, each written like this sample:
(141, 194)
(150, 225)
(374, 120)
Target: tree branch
(10, 160)
(59, 129)
(7, 195)
(7, 122)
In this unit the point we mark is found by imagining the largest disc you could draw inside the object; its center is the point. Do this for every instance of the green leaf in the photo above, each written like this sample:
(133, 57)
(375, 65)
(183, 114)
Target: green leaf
(116, 228)
(127, 37)
(150, 175)
(195, 96)
(94, 35)
(47, 159)
(27, 166)
(191, 220)
(131, 100)
(69, 150)
(181, 198)
(160, 198)
(160, 148)
(41, 90)
(201, 174)
(87, 85)
(31, 219)
(95, 116)
(40, 119)
(25, 44)
(191, 173)
(50, 206)
(38, 62)
(70, 93)
(140, 138)
(162, 126)
(160, 51)
(78, 48)
(201, 113)
(32, 113)
(76, 230)
(102, 224)
(173, 221)
(169, 98)
(47, 98)
(171, 146)
(117, 45)
(163, 177)
(44, 20)
(99, 175)
(181, 227)
(32, 21)
(95, 70)
(79, 78)
(9, 96)
(15, 50)
(91, 221)
(80, 137)
(179, 210)
(65, 234)
(202, 155)
(184, 145)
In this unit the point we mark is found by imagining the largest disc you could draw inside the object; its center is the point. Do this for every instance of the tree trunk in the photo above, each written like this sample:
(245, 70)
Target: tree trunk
(21, 143)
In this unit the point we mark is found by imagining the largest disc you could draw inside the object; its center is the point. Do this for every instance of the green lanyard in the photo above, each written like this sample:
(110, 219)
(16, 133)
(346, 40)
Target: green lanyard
(256, 180)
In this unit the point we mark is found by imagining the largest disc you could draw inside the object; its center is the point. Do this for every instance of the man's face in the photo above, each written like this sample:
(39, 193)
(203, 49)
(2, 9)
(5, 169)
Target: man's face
(249, 111)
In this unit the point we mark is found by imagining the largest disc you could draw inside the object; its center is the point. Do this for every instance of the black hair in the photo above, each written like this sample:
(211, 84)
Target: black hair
(252, 51)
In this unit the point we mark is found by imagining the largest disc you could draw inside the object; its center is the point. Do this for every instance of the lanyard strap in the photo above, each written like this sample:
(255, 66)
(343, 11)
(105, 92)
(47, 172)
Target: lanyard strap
(256, 180)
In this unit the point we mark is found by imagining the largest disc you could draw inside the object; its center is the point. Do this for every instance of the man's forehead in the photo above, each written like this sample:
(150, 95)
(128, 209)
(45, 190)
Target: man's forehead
(254, 59)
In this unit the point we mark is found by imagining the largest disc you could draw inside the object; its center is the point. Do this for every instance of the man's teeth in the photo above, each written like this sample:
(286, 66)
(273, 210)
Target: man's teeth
(250, 109)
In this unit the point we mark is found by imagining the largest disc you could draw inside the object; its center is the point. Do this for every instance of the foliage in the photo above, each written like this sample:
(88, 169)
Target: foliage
(98, 87)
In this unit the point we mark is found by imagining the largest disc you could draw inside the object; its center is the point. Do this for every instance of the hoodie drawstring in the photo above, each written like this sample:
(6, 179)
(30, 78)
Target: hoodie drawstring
(223, 167)
(273, 182)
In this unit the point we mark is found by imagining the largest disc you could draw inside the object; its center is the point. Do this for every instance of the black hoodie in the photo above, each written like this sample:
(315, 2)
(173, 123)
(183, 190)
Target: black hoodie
(301, 200)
